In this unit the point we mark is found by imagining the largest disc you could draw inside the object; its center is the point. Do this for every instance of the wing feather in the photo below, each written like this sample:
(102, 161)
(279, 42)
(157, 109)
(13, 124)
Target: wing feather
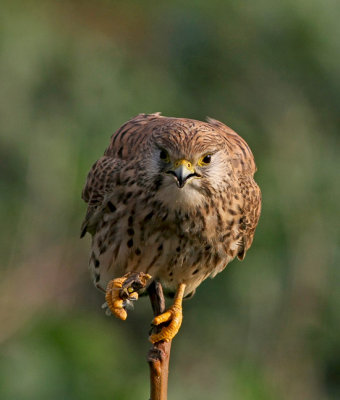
(250, 216)
(99, 184)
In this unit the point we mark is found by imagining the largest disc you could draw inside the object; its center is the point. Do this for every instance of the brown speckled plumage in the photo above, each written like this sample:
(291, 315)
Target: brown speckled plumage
(141, 220)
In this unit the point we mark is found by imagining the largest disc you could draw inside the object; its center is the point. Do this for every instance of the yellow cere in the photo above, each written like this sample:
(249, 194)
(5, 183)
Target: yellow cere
(183, 162)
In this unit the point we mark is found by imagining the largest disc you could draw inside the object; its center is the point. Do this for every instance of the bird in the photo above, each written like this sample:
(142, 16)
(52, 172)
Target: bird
(172, 200)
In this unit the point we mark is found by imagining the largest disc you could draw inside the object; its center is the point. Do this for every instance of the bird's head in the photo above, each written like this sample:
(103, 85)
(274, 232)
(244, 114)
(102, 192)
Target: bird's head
(187, 165)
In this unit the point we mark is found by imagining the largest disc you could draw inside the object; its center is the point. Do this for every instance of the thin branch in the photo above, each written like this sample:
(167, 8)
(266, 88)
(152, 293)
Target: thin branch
(159, 354)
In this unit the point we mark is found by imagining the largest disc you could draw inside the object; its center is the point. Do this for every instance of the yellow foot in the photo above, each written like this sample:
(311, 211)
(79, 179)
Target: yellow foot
(173, 315)
(121, 291)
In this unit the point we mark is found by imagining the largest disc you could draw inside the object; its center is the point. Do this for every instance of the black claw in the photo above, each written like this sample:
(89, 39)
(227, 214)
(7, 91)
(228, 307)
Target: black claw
(151, 329)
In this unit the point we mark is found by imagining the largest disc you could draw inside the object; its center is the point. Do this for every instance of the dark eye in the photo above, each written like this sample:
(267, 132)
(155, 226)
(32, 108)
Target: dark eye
(163, 155)
(206, 159)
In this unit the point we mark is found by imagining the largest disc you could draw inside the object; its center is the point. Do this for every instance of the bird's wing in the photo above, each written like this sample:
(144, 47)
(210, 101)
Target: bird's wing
(125, 144)
(244, 168)
(250, 214)
(99, 184)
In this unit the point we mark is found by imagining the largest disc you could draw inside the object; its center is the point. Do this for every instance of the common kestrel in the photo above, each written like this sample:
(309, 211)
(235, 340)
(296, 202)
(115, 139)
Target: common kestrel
(172, 200)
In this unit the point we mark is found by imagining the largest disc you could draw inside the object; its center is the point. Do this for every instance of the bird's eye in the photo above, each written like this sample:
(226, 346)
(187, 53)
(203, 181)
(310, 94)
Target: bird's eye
(164, 156)
(205, 160)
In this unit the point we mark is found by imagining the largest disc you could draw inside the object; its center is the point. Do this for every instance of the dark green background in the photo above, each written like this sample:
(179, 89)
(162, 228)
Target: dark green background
(71, 73)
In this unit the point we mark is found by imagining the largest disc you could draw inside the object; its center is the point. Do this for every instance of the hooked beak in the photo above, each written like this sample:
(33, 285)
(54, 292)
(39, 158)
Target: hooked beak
(183, 170)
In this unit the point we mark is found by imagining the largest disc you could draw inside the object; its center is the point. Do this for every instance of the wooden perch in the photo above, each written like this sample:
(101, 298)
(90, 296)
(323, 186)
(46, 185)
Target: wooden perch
(159, 354)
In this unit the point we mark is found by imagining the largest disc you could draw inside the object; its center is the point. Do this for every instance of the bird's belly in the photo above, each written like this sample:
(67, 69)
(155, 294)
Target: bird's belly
(170, 253)
(178, 260)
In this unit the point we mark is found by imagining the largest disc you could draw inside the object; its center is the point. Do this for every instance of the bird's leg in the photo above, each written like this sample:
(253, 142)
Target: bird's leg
(172, 315)
(121, 291)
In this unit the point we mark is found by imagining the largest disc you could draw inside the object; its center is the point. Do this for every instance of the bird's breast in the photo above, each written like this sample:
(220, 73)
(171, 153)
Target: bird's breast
(173, 244)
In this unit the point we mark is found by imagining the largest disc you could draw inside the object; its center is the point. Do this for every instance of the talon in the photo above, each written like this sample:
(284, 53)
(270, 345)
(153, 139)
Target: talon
(174, 315)
(168, 332)
(121, 290)
(133, 296)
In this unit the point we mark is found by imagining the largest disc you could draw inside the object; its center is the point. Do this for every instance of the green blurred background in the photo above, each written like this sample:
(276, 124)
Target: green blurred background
(71, 73)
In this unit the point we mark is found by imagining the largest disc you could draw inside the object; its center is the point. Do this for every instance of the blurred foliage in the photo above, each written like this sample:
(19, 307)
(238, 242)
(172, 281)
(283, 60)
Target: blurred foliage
(71, 73)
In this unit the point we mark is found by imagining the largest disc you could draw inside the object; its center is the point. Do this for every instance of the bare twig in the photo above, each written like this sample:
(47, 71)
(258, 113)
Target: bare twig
(159, 354)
